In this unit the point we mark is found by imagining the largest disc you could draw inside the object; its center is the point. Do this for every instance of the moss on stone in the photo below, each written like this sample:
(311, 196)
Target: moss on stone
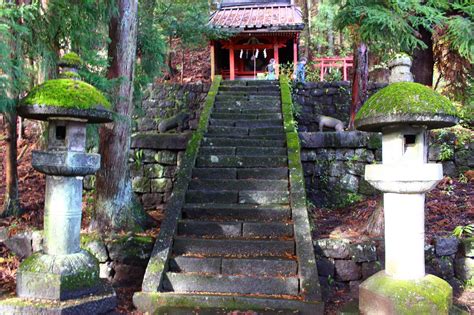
(33, 263)
(70, 75)
(86, 278)
(429, 295)
(70, 59)
(66, 93)
(406, 98)
(88, 238)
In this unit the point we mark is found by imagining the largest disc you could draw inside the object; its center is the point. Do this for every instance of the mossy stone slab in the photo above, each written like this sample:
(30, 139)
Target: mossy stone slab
(66, 98)
(406, 103)
(381, 294)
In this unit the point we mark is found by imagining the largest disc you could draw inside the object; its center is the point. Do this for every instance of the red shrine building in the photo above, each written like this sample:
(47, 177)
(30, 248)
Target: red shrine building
(261, 30)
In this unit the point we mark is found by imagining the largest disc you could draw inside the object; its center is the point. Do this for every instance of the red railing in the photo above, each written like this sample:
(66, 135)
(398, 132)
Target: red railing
(334, 62)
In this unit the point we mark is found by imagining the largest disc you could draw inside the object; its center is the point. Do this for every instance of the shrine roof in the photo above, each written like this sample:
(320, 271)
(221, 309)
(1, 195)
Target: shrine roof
(264, 17)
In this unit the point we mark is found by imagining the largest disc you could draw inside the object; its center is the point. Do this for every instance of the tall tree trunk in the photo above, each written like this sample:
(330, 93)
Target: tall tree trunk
(182, 63)
(116, 206)
(307, 29)
(359, 81)
(423, 60)
(11, 205)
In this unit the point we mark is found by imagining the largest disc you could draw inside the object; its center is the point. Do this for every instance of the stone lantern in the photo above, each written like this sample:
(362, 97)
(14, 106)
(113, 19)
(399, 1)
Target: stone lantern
(403, 112)
(400, 69)
(63, 274)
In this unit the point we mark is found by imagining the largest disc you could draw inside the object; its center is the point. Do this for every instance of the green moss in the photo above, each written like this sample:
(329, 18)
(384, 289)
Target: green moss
(406, 98)
(70, 75)
(33, 263)
(430, 295)
(70, 60)
(86, 278)
(88, 238)
(66, 93)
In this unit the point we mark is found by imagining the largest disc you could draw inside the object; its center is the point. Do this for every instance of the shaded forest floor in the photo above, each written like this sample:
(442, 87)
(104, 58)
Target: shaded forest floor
(449, 205)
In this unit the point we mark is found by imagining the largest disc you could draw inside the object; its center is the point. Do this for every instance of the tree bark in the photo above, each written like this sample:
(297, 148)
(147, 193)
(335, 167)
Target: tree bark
(423, 60)
(360, 80)
(307, 29)
(11, 205)
(116, 206)
(376, 224)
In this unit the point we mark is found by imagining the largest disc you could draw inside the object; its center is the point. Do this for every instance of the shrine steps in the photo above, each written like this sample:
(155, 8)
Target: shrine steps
(235, 242)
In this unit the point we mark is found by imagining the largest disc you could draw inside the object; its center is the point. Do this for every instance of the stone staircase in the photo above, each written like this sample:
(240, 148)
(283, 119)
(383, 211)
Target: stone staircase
(235, 237)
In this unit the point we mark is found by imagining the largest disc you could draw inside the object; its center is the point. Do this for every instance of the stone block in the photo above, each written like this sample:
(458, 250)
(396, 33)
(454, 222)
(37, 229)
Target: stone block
(337, 169)
(106, 270)
(259, 267)
(161, 185)
(443, 267)
(364, 155)
(151, 201)
(464, 268)
(131, 250)
(350, 183)
(445, 246)
(160, 141)
(449, 169)
(370, 268)
(154, 170)
(141, 185)
(20, 244)
(363, 252)
(332, 248)
(347, 270)
(325, 267)
(467, 247)
(166, 157)
(98, 249)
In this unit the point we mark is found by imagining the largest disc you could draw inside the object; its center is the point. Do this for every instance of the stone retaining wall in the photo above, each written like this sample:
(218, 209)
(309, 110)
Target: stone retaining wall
(324, 98)
(155, 157)
(334, 162)
(342, 263)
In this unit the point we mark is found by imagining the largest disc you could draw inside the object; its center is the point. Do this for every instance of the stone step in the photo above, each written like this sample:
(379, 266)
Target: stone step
(249, 104)
(243, 151)
(267, 266)
(232, 248)
(238, 184)
(249, 230)
(255, 92)
(241, 161)
(191, 282)
(256, 131)
(246, 123)
(198, 196)
(223, 142)
(231, 196)
(264, 197)
(241, 98)
(243, 131)
(280, 136)
(249, 88)
(258, 83)
(234, 173)
(245, 111)
(237, 212)
(245, 116)
(262, 107)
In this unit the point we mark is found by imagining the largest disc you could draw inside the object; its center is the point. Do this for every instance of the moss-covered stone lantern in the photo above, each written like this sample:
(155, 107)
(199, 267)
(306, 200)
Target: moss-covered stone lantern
(403, 112)
(64, 274)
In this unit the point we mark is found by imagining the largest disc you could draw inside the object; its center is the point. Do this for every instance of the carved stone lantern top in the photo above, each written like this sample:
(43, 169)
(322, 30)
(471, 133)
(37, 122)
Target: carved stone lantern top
(406, 104)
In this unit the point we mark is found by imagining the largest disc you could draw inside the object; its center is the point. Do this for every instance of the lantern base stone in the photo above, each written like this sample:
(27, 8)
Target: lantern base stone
(103, 301)
(382, 294)
(58, 277)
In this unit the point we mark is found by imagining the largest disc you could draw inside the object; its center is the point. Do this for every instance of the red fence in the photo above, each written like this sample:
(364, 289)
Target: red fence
(334, 62)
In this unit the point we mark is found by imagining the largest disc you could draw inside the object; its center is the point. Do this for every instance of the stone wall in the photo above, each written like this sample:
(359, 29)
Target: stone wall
(334, 162)
(342, 263)
(164, 100)
(324, 98)
(155, 157)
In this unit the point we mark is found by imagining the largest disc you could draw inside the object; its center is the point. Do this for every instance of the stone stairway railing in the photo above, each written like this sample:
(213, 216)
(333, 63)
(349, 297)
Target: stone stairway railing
(236, 235)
